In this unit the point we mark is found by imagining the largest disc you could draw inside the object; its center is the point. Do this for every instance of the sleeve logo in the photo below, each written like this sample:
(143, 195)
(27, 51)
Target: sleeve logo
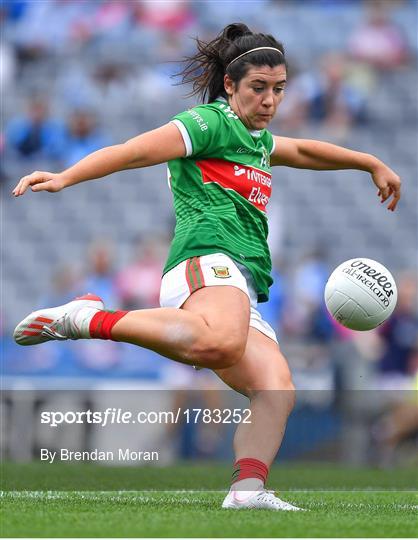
(198, 119)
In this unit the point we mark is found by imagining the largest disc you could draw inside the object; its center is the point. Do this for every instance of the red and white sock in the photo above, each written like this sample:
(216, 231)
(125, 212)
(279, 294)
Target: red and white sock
(97, 324)
(249, 474)
(102, 323)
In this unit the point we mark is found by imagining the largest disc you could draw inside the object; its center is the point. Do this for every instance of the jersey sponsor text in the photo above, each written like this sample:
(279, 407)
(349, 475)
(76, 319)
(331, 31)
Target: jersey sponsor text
(240, 178)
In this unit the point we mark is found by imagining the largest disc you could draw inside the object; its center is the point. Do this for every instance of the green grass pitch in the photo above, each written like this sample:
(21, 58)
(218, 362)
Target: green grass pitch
(348, 503)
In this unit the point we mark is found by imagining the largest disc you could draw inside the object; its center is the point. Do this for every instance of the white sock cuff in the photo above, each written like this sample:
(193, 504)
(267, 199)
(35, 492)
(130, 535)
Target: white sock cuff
(82, 320)
(248, 484)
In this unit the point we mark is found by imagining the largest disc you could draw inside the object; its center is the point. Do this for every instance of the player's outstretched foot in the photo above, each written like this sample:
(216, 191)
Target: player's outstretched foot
(263, 500)
(59, 323)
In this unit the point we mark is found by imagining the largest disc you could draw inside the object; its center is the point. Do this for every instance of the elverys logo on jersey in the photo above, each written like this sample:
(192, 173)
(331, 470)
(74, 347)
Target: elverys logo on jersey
(251, 183)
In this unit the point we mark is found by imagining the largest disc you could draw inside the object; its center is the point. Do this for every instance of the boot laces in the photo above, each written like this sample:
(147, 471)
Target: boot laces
(52, 333)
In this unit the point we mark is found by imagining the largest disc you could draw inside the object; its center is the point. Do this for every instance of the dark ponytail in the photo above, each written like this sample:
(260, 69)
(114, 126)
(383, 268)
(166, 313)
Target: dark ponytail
(206, 69)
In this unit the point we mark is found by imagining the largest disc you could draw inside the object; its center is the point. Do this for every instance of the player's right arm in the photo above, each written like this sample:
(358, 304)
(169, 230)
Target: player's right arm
(151, 148)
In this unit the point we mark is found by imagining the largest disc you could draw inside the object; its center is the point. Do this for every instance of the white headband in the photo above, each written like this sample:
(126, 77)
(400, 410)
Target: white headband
(252, 50)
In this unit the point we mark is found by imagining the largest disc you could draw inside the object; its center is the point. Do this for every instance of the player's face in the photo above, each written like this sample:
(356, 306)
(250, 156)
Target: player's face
(257, 95)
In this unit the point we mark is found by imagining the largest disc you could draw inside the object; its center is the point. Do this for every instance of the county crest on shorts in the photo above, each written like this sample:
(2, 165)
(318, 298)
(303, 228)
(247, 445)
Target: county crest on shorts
(221, 272)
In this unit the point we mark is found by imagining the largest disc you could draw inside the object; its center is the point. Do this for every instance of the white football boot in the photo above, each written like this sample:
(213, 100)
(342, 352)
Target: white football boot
(58, 323)
(262, 500)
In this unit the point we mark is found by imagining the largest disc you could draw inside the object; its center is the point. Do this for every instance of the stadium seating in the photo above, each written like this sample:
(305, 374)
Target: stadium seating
(337, 210)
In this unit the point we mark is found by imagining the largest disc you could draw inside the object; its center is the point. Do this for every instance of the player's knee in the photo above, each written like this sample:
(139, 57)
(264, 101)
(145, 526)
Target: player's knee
(218, 352)
(278, 392)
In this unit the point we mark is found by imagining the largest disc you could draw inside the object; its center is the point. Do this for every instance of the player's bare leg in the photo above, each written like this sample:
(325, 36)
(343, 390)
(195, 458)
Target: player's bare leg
(213, 334)
(263, 375)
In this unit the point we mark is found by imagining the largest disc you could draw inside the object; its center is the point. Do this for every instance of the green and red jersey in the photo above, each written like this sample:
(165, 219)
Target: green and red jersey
(221, 189)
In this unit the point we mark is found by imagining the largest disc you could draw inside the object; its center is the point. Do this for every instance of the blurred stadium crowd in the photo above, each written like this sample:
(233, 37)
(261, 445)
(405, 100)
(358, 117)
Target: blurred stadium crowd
(78, 75)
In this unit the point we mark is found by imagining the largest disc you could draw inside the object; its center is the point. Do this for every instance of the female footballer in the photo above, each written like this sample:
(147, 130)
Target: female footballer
(219, 157)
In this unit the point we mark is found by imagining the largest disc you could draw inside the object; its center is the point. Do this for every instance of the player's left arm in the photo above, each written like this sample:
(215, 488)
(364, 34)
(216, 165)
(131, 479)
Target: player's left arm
(323, 156)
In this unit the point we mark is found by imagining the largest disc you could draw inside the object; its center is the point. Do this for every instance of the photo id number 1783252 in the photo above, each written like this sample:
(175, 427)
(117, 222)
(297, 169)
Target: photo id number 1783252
(217, 416)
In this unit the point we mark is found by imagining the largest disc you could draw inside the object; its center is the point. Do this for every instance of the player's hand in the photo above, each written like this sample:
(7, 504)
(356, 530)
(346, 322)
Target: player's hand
(40, 181)
(389, 185)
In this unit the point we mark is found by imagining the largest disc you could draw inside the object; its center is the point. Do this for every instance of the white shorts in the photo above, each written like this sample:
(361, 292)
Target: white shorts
(209, 270)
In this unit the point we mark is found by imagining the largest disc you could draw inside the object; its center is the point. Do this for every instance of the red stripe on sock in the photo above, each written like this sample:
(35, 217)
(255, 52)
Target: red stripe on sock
(102, 323)
(249, 468)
